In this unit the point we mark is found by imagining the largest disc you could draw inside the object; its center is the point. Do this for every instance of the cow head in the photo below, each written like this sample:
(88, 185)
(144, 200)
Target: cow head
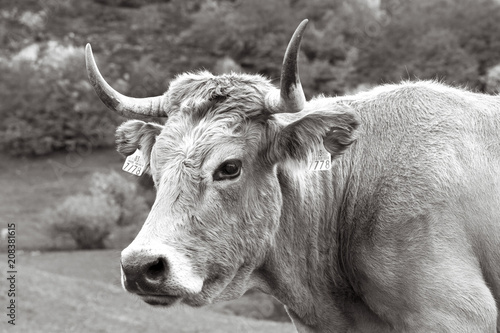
(214, 164)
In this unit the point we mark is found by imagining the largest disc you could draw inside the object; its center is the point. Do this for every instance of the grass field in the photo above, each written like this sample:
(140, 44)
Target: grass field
(79, 291)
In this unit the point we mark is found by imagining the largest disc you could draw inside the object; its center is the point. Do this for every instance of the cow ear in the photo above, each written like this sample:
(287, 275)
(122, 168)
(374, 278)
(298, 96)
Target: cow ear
(335, 129)
(136, 134)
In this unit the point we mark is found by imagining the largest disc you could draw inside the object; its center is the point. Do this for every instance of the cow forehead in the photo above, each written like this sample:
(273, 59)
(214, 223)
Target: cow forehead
(206, 86)
(187, 142)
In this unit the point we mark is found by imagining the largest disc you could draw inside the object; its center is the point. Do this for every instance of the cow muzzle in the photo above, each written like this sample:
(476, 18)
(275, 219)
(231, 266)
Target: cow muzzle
(159, 274)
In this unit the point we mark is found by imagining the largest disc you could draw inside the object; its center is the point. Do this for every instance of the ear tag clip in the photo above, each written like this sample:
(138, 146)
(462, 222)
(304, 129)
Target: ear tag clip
(322, 160)
(134, 163)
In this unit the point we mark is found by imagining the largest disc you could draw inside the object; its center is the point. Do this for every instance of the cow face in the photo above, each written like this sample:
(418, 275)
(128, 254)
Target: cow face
(216, 209)
(218, 202)
(215, 166)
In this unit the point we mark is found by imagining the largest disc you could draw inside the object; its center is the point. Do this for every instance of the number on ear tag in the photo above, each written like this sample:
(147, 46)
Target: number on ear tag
(134, 163)
(322, 160)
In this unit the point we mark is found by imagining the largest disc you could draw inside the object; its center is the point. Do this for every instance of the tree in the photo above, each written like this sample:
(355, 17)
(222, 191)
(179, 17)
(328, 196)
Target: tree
(255, 33)
(454, 40)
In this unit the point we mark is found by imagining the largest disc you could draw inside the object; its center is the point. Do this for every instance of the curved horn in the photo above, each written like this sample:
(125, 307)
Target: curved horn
(129, 107)
(291, 96)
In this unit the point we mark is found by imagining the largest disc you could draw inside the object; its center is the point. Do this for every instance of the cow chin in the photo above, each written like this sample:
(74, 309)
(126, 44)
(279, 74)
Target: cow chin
(219, 288)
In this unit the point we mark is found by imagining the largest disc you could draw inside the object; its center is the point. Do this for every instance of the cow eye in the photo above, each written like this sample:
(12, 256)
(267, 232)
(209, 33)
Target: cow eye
(228, 170)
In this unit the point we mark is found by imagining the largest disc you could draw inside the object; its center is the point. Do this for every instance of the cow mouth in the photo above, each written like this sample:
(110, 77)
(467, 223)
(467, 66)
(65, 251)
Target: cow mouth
(212, 288)
(160, 300)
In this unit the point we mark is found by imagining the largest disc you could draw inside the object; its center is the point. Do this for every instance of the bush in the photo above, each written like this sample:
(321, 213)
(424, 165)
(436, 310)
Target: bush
(48, 104)
(456, 41)
(451, 63)
(254, 35)
(123, 192)
(88, 219)
(112, 209)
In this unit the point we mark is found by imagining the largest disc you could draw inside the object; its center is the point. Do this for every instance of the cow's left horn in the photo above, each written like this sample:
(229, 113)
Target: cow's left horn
(291, 96)
(130, 107)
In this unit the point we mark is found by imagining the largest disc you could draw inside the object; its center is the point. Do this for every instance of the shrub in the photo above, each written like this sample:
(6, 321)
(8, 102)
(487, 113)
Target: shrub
(111, 209)
(88, 219)
(254, 35)
(123, 192)
(451, 63)
(48, 104)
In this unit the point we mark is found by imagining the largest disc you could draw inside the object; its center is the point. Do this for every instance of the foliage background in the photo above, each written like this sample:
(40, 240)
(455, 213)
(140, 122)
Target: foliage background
(47, 104)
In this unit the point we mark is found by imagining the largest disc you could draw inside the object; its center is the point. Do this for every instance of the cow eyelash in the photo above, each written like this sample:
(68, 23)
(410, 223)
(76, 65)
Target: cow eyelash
(229, 169)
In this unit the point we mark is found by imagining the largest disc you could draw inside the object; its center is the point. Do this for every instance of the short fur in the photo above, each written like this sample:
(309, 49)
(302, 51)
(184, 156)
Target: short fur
(401, 235)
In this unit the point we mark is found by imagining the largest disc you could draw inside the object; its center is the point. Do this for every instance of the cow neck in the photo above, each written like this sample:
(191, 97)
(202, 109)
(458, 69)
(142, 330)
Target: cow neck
(302, 269)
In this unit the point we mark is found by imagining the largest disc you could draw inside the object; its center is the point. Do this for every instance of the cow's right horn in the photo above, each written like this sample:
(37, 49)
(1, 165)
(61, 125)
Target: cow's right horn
(130, 107)
(291, 97)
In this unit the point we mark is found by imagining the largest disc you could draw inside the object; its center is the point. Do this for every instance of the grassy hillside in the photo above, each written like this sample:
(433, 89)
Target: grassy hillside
(80, 292)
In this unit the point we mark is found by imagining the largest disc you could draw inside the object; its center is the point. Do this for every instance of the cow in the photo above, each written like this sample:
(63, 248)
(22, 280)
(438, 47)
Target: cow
(400, 234)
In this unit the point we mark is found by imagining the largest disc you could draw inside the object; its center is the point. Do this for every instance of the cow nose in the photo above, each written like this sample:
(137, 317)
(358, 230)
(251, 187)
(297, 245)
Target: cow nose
(144, 274)
(157, 269)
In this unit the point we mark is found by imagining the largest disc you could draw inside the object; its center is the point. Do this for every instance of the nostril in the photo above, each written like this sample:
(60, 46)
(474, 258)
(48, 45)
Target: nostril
(156, 269)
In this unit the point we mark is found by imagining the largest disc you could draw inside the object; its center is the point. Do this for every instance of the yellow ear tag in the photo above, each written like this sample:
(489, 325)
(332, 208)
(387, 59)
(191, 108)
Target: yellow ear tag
(134, 163)
(322, 160)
